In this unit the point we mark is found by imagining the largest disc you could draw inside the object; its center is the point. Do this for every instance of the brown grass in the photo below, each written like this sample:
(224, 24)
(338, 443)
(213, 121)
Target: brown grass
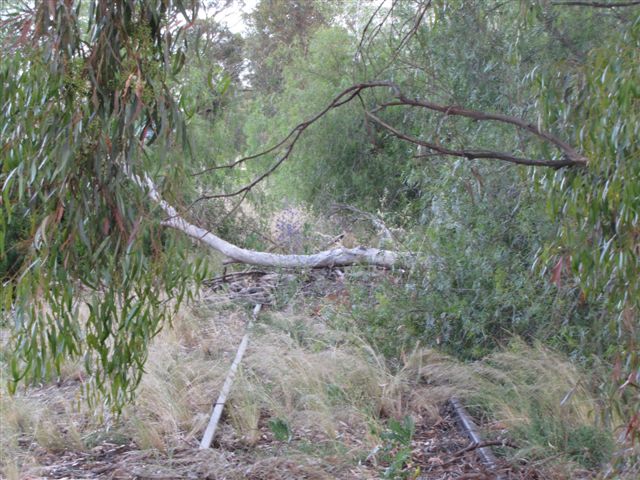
(330, 390)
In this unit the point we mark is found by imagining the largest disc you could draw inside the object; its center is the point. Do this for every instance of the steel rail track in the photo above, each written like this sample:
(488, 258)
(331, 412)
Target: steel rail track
(469, 427)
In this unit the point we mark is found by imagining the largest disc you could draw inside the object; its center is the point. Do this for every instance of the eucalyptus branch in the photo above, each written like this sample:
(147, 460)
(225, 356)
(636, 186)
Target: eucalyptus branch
(632, 3)
(344, 97)
(295, 132)
(470, 154)
(327, 258)
(406, 37)
(571, 156)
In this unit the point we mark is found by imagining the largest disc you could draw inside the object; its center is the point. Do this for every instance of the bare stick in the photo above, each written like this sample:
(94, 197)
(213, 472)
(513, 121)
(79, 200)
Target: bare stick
(474, 446)
(470, 154)
(207, 438)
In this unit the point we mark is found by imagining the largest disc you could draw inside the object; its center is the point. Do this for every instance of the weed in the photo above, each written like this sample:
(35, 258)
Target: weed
(396, 449)
(280, 429)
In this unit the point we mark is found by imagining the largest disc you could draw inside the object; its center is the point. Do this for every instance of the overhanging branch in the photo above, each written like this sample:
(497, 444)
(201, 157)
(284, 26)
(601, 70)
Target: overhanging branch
(571, 157)
(632, 3)
(342, 98)
(470, 154)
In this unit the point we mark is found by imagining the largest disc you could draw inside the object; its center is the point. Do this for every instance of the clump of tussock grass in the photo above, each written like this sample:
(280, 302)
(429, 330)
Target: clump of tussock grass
(328, 391)
(325, 386)
(185, 370)
(292, 467)
(533, 395)
(316, 395)
(42, 415)
(48, 419)
(17, 422)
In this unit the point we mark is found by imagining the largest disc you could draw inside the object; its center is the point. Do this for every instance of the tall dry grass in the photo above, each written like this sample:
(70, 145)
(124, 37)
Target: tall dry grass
(534, 396)
(307, 396)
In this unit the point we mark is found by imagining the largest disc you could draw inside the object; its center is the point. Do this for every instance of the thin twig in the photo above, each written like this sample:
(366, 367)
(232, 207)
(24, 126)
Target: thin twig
(378, 223)
(406, 38)
(295, 132)
(596, 4)
(471, 429)
(474, 446)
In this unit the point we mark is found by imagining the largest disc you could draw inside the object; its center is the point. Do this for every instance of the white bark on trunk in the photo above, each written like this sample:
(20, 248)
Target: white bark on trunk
(329, 258)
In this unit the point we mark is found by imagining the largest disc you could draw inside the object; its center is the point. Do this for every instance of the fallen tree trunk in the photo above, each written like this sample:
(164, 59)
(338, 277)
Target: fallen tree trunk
(336, 257)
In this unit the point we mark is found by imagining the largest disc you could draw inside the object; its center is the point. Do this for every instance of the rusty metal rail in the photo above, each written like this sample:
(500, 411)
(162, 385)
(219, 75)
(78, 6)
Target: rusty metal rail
(471, 429)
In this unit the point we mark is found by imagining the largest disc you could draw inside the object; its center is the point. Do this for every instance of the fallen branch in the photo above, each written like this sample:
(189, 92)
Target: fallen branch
(474, 446)
(207, 438)
(489, 443)
(336, 257)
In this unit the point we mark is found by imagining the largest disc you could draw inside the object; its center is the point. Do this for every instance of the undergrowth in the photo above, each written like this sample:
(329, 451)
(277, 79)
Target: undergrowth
(314, 396)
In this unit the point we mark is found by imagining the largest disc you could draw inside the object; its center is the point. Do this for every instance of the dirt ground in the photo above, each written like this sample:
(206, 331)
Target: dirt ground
(436, 454)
